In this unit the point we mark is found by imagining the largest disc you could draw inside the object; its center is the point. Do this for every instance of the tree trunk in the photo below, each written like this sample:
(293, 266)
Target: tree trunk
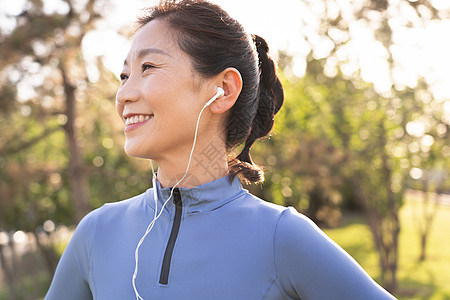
(385, 230)
(428, 215)
(390, 222)
(14, 259)
(76, 173)
(423, 247)
(8, 275)
(49, 255)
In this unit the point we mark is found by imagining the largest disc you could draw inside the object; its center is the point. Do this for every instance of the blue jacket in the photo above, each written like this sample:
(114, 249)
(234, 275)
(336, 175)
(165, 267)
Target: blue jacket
(214, 241)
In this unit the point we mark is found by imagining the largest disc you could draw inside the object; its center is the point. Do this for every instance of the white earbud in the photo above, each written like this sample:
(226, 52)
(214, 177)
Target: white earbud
(220, 93)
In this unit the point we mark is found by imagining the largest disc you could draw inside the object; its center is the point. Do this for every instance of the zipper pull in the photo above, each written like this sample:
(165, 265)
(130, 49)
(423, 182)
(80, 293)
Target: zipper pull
(176, 197)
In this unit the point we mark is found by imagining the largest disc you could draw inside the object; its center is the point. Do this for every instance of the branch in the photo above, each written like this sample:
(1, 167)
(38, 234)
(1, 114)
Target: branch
(13, 149)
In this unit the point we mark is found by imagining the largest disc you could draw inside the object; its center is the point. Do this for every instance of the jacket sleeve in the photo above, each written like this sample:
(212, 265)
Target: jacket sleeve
(71, 279)
(311, 266)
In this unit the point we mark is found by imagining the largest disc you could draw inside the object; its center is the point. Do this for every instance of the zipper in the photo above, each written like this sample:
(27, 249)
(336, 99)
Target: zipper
(165, 269)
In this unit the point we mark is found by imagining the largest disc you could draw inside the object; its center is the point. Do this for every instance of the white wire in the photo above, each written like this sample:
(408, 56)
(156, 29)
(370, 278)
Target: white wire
(155, 196)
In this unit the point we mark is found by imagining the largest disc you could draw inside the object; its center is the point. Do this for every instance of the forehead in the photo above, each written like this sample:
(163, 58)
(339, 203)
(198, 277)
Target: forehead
(155, 37)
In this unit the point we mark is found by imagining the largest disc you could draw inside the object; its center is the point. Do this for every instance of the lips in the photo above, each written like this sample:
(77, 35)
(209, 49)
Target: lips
(135, 119)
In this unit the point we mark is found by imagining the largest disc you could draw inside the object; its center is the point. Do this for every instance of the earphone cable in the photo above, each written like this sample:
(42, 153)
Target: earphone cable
(155, 196)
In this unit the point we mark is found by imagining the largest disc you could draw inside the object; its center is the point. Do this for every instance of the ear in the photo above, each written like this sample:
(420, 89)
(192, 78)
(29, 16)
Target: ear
(231, 81)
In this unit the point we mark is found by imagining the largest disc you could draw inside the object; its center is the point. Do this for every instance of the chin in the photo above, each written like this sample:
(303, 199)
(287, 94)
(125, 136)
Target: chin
(136, 152)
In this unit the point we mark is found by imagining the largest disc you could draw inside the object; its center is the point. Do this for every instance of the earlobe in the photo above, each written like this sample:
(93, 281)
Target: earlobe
(230, 81)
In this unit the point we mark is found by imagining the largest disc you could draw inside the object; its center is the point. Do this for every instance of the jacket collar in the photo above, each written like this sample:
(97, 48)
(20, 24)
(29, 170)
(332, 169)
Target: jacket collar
(202, 198)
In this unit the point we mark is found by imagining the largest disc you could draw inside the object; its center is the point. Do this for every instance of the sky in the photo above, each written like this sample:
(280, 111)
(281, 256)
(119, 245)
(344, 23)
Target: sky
(420, 51)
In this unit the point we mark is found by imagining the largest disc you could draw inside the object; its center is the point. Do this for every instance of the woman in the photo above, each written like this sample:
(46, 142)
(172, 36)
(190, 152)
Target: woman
(194, 87)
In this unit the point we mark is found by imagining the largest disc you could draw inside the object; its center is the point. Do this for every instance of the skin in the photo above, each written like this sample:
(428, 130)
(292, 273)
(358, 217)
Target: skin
(158, 80)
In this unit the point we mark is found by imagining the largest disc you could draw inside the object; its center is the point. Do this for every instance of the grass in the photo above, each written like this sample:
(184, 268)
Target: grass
(429, 279)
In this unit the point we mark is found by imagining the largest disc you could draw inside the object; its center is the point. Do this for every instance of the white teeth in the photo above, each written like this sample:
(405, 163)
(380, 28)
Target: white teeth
(136, 119)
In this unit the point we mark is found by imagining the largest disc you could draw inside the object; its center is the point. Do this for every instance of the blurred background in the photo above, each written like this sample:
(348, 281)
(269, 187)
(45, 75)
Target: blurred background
(361, 145)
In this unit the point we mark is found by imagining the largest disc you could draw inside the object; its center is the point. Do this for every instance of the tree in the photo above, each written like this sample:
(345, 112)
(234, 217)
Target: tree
(364, 125)
(42, 81)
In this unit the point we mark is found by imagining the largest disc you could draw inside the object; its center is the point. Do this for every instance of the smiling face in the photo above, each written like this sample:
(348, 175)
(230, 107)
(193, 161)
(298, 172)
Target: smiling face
(160, 95)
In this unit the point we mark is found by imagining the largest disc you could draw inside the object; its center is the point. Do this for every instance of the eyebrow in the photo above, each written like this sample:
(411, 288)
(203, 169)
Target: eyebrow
(144, 52)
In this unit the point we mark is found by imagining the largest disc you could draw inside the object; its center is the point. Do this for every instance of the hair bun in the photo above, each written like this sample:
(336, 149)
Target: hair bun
(268, 76)
(260, 43)
(270, 99)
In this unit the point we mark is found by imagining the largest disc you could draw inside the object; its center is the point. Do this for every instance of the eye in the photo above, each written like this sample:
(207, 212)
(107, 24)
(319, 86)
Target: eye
(123, 77)
(146, 67)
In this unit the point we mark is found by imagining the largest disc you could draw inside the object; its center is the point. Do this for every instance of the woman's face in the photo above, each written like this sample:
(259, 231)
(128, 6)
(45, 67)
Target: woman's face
(160, 96)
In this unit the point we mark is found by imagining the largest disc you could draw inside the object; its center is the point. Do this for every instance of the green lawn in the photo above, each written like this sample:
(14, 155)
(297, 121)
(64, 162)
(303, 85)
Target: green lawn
(428, 280)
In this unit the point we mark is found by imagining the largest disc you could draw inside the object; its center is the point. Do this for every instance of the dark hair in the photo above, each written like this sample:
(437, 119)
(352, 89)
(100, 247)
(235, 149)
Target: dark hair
(215, 41)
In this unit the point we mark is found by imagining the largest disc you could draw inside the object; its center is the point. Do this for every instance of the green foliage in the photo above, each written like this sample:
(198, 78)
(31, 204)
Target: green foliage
(417, 280)
(331, 130)
(34, 151)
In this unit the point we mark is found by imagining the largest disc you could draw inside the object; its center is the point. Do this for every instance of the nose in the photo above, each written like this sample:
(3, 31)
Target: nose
(128, 92)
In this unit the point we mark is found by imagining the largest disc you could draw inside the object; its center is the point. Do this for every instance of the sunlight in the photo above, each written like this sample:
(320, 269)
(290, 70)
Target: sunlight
(9, 10)
(415, 128)
(419, 49)
(95, 44)
(55, 6)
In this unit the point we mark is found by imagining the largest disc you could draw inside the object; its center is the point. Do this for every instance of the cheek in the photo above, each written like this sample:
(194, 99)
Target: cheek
(174, 121)
(119, 107)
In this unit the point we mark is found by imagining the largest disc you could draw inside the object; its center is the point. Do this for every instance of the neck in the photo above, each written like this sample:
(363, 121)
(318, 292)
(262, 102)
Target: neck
(209, 162)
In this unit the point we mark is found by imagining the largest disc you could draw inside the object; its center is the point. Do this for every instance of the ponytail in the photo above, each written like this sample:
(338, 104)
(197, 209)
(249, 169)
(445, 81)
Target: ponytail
(269, 101)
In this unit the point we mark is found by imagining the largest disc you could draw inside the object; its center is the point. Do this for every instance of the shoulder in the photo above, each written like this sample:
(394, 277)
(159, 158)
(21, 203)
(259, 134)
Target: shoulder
(295, 227)
(109, 212)
(130, 203)
(252, 205)
(307, 260)
(253, 202)
(299, 239)
(122, 207)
